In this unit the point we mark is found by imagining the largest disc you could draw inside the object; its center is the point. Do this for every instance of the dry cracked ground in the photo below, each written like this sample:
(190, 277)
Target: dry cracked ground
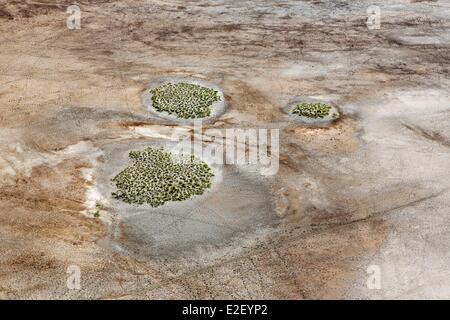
(369, 192)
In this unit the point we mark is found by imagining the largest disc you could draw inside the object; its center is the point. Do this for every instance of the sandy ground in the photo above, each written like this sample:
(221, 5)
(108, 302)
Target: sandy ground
(371, 189)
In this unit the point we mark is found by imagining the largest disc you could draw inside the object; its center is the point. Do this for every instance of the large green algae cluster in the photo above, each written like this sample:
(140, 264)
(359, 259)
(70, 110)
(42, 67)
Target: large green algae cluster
(184, 100)
(157, 176)
(314, 110)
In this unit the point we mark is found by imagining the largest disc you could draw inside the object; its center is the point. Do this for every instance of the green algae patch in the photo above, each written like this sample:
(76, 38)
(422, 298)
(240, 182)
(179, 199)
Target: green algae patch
(313, 110)
(184, 100)
(157, 176)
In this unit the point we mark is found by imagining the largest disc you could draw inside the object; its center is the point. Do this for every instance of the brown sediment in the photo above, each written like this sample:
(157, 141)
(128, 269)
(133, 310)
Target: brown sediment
(340, 191)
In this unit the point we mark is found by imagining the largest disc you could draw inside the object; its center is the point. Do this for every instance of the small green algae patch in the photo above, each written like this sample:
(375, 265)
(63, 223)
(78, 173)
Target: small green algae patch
(314, 110)
(158, 176)
(185, 100)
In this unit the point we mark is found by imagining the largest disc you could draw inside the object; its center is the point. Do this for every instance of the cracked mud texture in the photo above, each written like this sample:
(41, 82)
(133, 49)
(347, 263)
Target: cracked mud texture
(371, 188)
